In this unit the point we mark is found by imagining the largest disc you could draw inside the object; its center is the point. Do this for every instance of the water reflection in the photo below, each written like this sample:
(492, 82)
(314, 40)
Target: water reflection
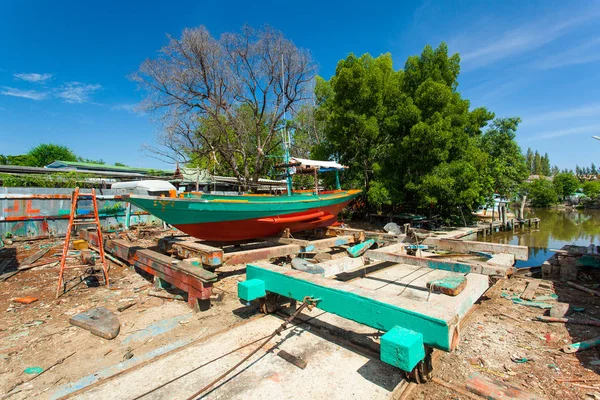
(557, 228)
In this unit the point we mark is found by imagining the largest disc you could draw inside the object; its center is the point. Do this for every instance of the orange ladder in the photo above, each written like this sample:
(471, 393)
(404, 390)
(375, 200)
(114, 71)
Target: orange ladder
(75, 220)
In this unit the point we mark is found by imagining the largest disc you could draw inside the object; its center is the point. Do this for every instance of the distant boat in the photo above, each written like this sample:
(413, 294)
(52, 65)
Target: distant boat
(486, 213)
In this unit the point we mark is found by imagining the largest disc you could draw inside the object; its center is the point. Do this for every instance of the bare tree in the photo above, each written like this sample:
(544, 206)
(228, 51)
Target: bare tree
(225, 97)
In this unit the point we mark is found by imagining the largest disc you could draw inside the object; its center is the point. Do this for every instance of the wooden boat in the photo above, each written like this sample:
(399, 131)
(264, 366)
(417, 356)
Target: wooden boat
(246, 216)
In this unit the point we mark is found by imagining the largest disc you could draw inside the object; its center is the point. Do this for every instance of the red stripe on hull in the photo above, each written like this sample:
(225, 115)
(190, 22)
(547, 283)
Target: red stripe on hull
(262, 227)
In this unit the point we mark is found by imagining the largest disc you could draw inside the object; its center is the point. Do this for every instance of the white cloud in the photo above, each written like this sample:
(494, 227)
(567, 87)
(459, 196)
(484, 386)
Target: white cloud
(590, 129)
(77, 92)
(581, 54)
(27, 94)
(592, 110)
(476, 53)
(36, 78)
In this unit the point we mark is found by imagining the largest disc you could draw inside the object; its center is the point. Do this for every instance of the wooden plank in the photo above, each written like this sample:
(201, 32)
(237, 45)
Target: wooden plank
(529, 292)
(465, 246)
(359, 234)
(341, 265)
(495, 390)
(450, 285)
(209, 255)
(502, 260)
(420, 261)
(247, 256)
(328, 243)
(35, 256)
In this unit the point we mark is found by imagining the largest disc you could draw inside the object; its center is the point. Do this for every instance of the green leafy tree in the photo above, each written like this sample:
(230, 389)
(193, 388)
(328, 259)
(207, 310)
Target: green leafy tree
(555, 170)
(47, 153)
(378, 195)
(359, 107)
(537, 164)
(409, 130)
(507, 166)
(529, 160)
(542, 193)
(592, 189)
(90, 161)
(120, 164)
(545, 167)
(565, 184)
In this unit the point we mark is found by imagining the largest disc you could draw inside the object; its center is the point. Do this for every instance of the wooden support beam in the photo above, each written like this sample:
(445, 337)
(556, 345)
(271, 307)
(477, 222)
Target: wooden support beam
(210, 256)
(341, 265)
(382, 255)
(286, 240)
(247, 256)
(366, 306)
(465, 246)
(359, 234)
(196, 281)
(328, 243)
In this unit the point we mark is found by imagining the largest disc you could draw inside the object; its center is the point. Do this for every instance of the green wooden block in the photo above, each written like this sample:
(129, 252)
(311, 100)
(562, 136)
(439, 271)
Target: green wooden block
(402, 348)
(251, 289)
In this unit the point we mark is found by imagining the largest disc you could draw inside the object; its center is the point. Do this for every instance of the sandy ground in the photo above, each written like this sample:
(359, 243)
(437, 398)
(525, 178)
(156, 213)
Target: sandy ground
(39, 334)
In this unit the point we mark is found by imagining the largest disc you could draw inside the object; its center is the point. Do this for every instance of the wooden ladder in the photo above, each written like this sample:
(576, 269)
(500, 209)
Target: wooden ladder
(75, 220)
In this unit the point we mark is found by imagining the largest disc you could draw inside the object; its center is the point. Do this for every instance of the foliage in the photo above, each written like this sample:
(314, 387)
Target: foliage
(565, 184)
(57, 180)
(410, 132)
(378, 195)
(47, 153)
(537, 164)
(542, 193)
(90, 161)
(120, 164)
(22, 160)
(507, 166)
(226, 98)
(592, 189)
(586, 173)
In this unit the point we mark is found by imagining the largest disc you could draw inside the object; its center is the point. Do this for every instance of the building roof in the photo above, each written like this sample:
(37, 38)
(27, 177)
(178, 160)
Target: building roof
(58, 164)
(17, 169)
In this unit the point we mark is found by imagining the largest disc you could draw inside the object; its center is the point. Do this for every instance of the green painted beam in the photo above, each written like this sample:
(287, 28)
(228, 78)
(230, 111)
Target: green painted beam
(366, 306)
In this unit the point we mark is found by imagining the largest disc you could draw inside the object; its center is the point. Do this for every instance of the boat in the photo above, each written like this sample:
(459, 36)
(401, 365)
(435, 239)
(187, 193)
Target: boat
(487, 213)
(233, 217)
(246, 216)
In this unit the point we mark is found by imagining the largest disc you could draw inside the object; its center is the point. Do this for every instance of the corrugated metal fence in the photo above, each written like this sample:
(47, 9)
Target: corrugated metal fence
(35, 212)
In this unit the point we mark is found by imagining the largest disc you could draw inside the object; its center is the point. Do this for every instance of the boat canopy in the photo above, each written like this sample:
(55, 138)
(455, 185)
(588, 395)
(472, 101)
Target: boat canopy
(153, 187)
(323, 166)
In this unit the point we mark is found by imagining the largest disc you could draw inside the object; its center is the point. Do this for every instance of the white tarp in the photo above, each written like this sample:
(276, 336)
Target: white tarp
(313, 163)
(149, 185)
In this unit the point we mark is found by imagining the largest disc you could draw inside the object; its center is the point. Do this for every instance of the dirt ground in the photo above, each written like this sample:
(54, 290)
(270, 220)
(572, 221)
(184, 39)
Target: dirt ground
(502, 340)
(505, 341)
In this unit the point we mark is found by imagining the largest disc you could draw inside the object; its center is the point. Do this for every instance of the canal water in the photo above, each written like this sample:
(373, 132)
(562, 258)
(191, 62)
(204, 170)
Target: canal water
(557, 228)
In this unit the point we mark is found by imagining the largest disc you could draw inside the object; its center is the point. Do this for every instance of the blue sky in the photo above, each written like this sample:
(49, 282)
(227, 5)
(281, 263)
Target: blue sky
(64, 64)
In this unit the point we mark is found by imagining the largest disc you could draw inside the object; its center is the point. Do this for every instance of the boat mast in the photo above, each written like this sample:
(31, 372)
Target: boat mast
(286, 136)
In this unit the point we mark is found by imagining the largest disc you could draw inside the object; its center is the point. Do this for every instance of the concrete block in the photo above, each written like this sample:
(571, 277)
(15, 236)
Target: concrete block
(402, 348)
(251, 289)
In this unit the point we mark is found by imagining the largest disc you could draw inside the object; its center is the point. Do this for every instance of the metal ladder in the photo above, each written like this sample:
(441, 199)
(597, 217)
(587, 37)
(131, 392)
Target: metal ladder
(75, 220)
